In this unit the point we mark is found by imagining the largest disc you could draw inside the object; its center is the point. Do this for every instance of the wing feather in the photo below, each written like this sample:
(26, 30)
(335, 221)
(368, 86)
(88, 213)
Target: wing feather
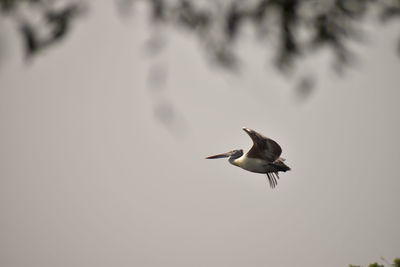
(263, 147)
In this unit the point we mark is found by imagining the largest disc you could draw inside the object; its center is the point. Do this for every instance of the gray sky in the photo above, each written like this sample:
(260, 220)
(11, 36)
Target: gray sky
(90, 177)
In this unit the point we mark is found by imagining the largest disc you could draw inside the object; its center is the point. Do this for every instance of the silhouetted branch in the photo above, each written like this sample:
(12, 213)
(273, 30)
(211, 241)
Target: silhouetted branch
(217, 24)
(55, 18)
(396, 263)
(299, 26)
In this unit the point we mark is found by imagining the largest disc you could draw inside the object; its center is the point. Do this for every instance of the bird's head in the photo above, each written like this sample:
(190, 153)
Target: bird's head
(234, 154)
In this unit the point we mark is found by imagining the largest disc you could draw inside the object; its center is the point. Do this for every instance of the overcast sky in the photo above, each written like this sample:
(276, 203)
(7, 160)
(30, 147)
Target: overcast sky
(94, 172)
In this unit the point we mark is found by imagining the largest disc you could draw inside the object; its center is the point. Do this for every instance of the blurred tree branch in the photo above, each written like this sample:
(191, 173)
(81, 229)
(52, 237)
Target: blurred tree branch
(396, 263)
(299, 27)
(40, 23)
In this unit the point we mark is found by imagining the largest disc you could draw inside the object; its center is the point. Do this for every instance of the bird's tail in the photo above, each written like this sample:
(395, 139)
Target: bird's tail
(281, 165)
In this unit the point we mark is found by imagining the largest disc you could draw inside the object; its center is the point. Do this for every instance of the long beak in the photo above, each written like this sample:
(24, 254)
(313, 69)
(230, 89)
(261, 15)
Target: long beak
(219, 156)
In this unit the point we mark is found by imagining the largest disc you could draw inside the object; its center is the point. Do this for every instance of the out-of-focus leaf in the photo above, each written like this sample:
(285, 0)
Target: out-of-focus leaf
(57, 25)
(31, 42)
(60, 20)
(390, 13)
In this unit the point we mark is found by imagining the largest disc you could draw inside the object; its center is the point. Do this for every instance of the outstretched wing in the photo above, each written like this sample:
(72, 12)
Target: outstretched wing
(263, 147)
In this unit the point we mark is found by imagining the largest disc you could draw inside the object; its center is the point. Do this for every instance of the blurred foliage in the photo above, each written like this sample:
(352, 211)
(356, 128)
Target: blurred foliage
(296, 27)
(40, 23)
(396, 263)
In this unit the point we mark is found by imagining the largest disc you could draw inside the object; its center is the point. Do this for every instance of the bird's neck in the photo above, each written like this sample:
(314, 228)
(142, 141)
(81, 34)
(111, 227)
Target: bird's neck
(235, 161)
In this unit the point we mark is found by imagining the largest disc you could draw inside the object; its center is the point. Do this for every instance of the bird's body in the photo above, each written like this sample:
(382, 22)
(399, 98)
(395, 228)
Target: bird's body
(263, 157)
(258, 165)
(251, 164)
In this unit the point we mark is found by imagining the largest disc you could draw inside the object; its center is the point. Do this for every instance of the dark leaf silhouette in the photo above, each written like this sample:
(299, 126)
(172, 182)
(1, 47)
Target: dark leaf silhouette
(217, 25)
(30, 40)
(297, 27)
(57, 22)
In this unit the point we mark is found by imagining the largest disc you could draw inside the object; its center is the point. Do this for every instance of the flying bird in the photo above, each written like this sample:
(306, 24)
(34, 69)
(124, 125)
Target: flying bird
(263, 157)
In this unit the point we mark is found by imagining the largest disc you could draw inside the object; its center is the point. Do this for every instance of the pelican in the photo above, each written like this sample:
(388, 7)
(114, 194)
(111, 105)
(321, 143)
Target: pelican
(263, 157)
